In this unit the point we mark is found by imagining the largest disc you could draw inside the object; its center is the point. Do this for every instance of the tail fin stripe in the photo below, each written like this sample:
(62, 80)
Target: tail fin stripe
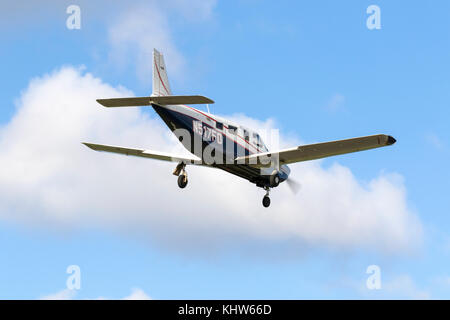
(162, 82)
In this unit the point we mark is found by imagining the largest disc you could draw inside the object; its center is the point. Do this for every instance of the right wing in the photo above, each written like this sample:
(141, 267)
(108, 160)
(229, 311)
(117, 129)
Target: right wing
(146, 101)
(144, 153)
(318, 150)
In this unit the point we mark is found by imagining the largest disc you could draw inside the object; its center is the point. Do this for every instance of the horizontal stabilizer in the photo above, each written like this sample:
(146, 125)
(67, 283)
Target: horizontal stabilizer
(318, 150)
(144, 153)
(146, 101)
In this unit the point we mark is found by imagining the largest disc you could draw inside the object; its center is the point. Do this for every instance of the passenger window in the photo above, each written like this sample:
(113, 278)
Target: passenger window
(256, 139)
(219, 125)
(246, 135)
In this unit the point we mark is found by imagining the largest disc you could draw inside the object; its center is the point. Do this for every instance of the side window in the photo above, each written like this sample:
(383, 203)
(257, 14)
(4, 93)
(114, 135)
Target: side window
(257, 139)
(219, 125)
(246, 135)
(232, 129)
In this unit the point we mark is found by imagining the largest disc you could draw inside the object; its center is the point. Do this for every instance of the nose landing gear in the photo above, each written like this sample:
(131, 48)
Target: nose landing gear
(182, 175)
(266, 199)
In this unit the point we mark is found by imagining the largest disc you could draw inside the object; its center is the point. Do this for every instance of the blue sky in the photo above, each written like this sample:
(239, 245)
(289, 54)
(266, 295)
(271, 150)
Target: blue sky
(313, 68)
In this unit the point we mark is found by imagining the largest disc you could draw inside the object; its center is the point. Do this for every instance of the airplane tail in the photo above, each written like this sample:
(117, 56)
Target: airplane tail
(161, 94)
(161, 85)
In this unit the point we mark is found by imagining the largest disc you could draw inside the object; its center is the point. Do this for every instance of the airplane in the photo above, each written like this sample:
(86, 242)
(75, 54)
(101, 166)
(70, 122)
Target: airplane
(220, 143)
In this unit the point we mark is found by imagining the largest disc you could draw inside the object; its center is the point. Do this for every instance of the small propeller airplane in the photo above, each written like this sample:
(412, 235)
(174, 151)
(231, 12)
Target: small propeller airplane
(217, 142)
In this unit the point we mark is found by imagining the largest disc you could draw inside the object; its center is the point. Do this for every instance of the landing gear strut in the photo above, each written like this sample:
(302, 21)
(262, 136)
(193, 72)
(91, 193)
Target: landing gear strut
(182, 175)
(266, 199)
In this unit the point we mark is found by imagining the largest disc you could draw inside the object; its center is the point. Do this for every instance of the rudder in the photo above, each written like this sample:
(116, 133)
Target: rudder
(161, 85)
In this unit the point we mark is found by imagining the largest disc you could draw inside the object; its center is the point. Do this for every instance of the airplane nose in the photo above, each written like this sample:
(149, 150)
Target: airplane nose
(391, 140)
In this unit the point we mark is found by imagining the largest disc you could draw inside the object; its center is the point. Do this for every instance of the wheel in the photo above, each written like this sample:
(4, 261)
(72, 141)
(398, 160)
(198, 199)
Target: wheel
(182, 181)
(274, 180)
(266, 201)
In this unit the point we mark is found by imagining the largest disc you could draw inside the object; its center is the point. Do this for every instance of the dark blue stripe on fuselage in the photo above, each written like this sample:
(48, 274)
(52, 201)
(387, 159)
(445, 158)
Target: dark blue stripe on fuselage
(177, 120)
(183, 121)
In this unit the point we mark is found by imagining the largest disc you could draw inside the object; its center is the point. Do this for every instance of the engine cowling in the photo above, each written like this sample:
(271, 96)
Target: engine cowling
(278, 176)
(274, 179)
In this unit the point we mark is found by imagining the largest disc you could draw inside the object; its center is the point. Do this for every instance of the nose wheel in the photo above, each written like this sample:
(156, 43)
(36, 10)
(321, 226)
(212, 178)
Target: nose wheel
(266, 199)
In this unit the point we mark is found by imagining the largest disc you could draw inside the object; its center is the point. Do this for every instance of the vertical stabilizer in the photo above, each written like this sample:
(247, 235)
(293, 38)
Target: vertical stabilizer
(161, 85)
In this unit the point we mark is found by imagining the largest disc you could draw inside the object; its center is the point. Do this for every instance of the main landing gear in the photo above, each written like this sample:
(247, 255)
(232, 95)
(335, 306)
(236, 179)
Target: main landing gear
(182, 180)
(266, 199)
(182, 175)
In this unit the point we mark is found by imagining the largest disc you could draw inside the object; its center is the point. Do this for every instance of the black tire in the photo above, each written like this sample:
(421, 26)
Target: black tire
(274, 180)
(182, 181)
(266, 202)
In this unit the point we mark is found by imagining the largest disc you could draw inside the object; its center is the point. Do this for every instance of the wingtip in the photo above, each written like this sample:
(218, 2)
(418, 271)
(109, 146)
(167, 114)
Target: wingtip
(391, 140)
(206, 100)
(87, 144)
(100, 101)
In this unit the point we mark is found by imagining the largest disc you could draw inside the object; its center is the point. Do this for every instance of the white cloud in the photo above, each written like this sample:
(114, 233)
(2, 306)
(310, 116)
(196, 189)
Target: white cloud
(133, 29)
(434, 140)
(403, 287)
(144, 26)
(50, 179)
(442, 281)
(65, 294)
(193, 10)
(134, 35)
(137, 294)
(335, 103)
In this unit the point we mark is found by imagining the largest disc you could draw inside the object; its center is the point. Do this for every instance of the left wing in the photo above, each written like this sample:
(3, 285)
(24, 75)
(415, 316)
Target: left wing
(318, 150)
(144, 153)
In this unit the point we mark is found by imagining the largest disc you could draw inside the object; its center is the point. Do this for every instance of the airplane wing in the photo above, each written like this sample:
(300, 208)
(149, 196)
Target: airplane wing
(161, 100)
(144, 153)
(318, 150)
